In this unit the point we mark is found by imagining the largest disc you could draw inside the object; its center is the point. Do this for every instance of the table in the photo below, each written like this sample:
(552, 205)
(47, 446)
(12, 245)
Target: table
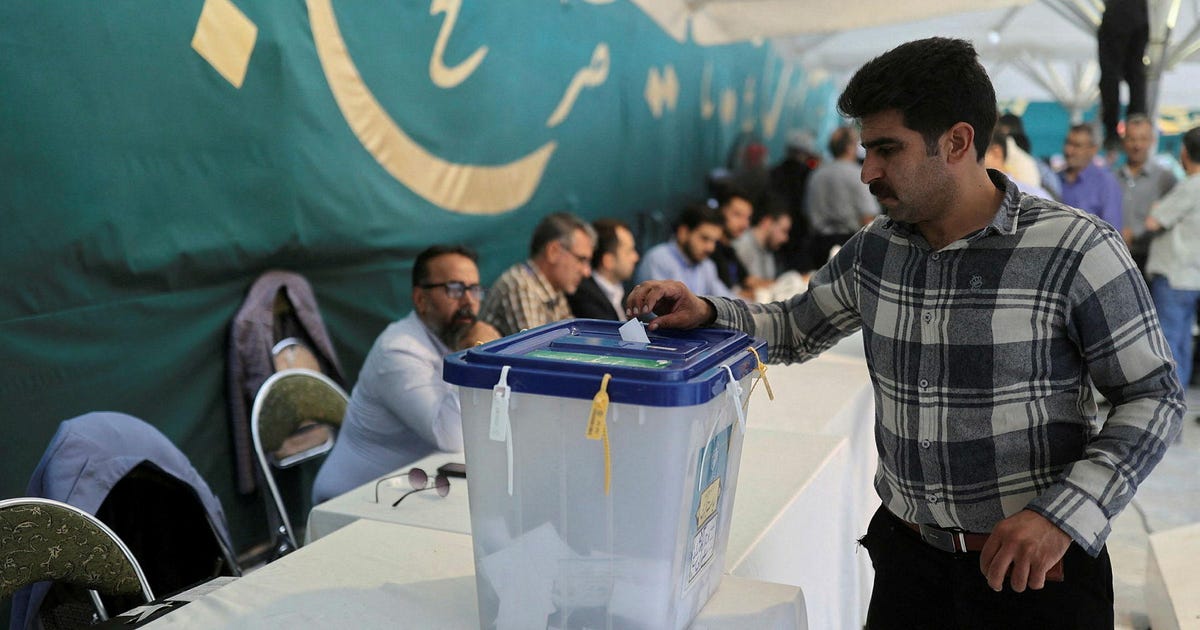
(373, 574)
(804, 494)
(791, 524)
(423, 509)
(831, 396)
(1172, 583)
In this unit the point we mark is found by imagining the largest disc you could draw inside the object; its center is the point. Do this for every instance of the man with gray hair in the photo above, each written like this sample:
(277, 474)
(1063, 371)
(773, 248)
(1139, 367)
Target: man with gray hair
(533, 293)
(1143, 182)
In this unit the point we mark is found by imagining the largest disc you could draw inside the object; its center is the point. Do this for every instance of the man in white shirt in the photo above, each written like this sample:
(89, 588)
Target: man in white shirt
(401, 410)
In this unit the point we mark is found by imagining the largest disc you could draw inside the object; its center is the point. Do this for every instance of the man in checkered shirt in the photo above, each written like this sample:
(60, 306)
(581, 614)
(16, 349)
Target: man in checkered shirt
(988, 316)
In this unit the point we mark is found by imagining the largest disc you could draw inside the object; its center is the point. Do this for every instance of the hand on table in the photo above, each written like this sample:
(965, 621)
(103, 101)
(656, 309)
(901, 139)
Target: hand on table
(675, 305)
(1027, 544)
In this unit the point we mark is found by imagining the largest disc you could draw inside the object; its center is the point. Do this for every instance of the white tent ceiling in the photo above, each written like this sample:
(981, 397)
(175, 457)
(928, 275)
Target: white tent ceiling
(1034, 50)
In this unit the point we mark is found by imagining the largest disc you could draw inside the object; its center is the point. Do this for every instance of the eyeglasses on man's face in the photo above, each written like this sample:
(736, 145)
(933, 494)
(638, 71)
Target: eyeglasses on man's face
(585, 260)
(419, 481)
(455, 290)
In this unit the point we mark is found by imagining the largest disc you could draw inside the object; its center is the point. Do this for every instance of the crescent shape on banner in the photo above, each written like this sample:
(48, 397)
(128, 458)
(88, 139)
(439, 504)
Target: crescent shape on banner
(466, 188)
(441, 75)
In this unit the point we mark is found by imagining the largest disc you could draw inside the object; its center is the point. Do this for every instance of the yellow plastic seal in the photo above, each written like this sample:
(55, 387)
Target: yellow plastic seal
(762, 374)
(597, 428)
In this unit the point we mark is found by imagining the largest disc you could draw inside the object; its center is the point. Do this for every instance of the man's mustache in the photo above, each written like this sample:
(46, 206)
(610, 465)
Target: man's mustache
(465, 313)
(880, 189)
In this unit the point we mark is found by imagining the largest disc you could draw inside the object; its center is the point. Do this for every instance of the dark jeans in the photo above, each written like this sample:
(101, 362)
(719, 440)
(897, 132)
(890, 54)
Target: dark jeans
(918, 586)
(1121, 49)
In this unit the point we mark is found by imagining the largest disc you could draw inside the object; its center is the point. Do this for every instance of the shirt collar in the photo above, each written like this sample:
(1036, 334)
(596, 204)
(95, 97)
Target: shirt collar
(1088, 172)
(1148, 169)
(612, 290)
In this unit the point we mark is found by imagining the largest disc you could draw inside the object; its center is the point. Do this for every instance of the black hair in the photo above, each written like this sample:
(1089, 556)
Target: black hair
(933, 83)
(1016, 130)
(606, 238)
(420, 270)
(1000, 139)
(773, 211)
(1191, 144)
(726, 190)
(696, 214)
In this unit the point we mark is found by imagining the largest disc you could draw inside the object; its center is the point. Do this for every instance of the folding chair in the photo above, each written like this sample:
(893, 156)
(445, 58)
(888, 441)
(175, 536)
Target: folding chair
(43, 540)
(295, 419)
(132, 478)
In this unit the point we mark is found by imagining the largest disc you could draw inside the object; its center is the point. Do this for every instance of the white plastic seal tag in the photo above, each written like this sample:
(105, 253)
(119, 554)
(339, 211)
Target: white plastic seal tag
(500, 395)
(500, 429)
(733, 389)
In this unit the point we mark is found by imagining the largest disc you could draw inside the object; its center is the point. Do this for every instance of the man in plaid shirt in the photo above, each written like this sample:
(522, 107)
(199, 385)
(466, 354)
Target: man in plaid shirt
(987, 316)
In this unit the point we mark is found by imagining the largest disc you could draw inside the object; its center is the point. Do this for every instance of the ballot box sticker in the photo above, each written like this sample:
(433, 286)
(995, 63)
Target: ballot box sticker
(704, 517)
(600, 359)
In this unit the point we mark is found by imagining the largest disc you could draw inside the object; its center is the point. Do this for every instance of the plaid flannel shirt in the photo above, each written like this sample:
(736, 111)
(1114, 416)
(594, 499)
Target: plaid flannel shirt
(523, 298)
(983, 355)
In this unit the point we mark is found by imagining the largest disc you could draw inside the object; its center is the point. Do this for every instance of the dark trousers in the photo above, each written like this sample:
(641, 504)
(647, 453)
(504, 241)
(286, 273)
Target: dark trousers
(1121, 49)
(918, 586)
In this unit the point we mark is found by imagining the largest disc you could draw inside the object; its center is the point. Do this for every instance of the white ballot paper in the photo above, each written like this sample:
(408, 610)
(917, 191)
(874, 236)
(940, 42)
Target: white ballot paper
(634, 330)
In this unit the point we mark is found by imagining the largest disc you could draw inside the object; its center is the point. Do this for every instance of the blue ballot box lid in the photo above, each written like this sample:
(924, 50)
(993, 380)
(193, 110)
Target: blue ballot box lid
(569, 358)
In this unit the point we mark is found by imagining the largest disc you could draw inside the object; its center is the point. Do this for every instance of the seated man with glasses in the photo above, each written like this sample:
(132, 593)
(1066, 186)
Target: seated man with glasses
(533, 293)
(401, 410)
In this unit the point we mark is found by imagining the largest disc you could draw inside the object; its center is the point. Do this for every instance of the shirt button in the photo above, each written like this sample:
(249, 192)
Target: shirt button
(926, 443)
(931, 498)
(936, 256)
(928, 317)
(924, 383)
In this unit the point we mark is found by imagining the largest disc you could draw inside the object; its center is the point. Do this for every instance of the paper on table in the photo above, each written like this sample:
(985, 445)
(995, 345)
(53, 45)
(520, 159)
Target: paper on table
(634, 330)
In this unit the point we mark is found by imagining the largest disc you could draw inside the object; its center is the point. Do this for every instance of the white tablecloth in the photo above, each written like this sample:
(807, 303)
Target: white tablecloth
(372, 574)
(804, 491)
(830, 396)
(423, 509)
(1172, 582)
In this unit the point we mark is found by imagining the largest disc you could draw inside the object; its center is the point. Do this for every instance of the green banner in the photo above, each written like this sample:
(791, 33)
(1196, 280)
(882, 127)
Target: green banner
(158, 156)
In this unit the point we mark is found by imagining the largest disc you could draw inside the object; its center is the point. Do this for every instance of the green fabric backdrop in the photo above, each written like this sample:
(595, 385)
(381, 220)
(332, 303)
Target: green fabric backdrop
(143, 192)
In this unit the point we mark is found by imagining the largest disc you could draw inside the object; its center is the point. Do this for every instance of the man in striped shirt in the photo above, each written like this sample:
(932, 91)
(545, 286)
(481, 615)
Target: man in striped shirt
(988, 316)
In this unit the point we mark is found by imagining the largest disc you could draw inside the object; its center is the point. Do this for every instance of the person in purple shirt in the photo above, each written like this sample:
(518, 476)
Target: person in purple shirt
(1085, 184)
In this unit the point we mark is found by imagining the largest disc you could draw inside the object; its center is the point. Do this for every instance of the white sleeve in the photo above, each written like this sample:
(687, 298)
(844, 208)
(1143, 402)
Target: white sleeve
(422, 400)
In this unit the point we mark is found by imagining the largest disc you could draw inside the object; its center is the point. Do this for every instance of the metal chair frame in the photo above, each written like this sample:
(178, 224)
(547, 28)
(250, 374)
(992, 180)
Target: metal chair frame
(290, 543)
(101, 611)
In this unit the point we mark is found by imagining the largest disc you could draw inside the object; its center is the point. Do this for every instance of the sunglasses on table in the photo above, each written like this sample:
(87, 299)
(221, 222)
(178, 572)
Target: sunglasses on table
(419, 481)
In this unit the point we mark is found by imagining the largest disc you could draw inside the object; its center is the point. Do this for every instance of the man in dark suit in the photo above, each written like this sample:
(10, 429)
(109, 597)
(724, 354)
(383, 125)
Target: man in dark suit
(602, 295)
